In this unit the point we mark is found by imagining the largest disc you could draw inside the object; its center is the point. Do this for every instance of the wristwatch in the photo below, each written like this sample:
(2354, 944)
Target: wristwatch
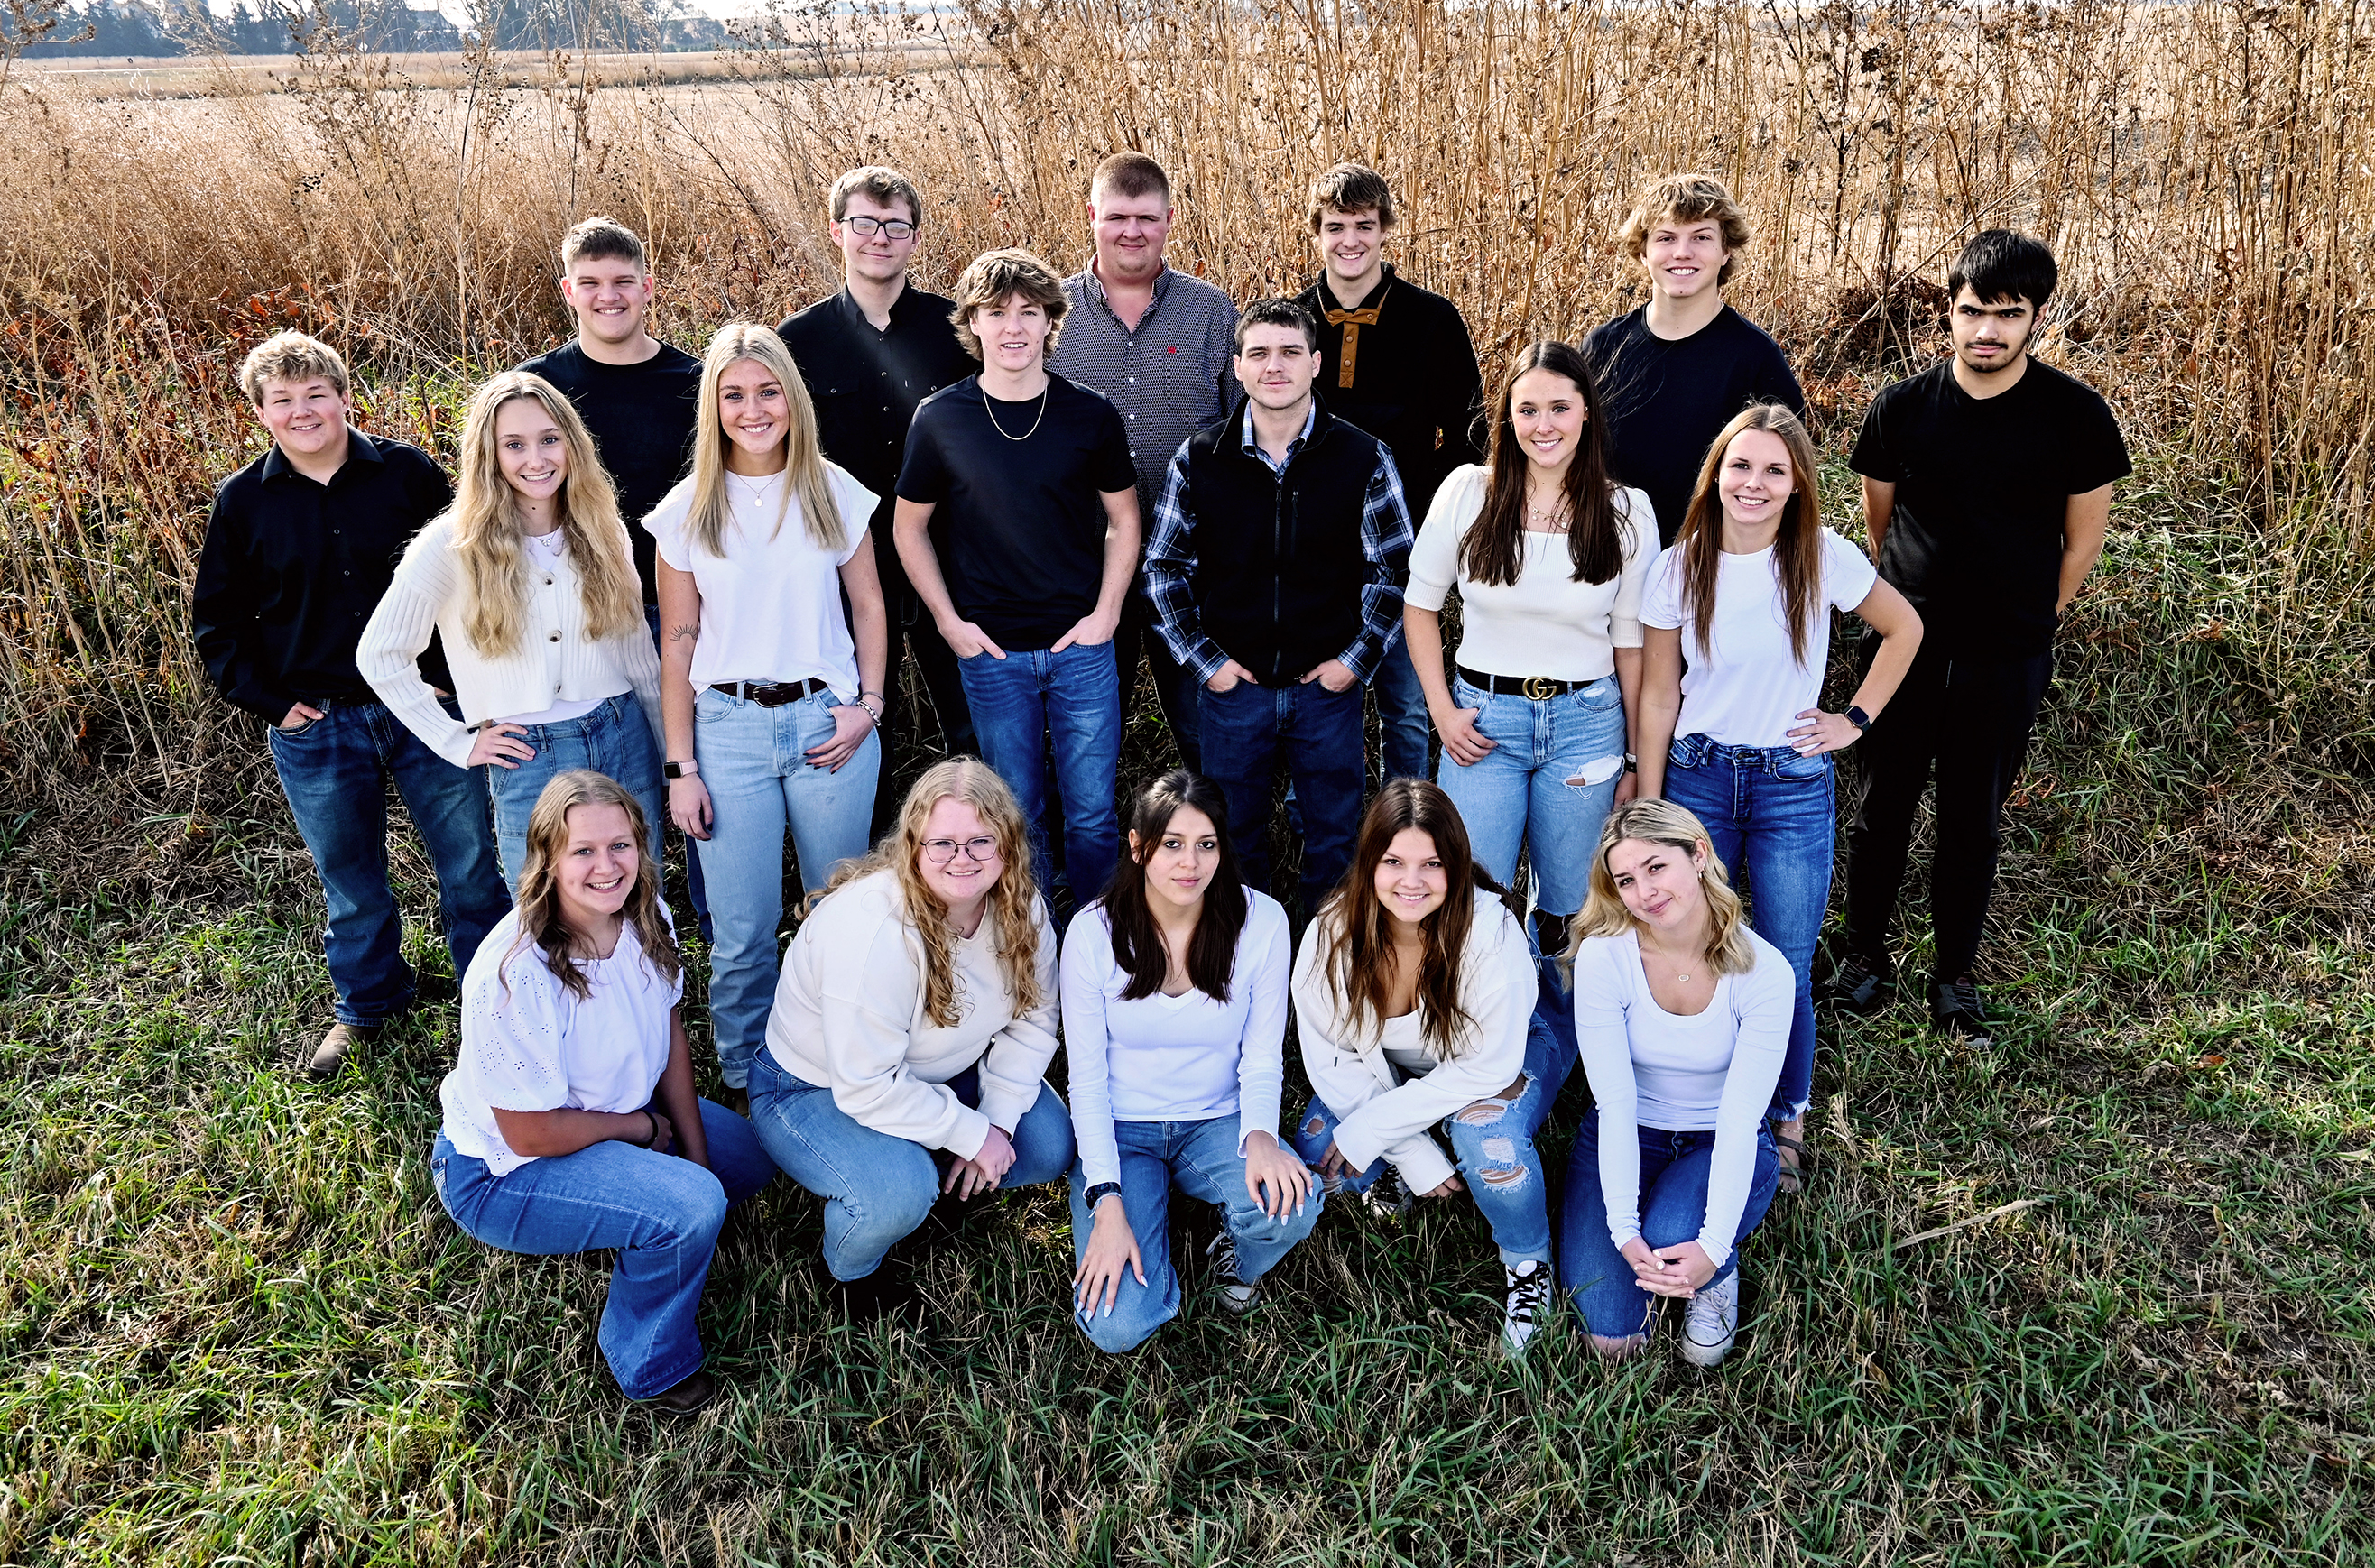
(1099, 1193)
(1859, 718)
(1632, 764)
(680, 770)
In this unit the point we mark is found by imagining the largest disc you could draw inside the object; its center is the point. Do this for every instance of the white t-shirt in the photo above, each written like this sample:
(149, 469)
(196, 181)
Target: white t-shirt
(1185, 1058)
(1747, 689)
(771, 609)
(545, 554)
(1546, 623)
(528, 1045)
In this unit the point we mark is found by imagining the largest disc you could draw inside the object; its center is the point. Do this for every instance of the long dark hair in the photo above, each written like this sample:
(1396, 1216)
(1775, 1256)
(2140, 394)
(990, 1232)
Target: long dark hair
(1494, 548)
(540, 920)
(1353, 922)
(1137, 945)
(1797, 548)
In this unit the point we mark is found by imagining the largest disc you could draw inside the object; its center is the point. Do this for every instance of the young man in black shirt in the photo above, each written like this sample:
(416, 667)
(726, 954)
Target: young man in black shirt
(640, 399)
(1987, 483)
(869, 353)
(1674, 373)
(301, 544)
(1018, 524)
(1402, 367)
(1282, 628)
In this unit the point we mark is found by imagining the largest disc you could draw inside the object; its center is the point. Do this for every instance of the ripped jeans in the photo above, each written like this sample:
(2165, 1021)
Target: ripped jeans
(1492, 1139)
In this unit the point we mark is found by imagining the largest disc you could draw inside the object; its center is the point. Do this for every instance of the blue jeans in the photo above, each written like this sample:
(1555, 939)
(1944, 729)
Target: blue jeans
(695, 889)
(878, 1188)
(1244, 730)
(1673, 1209)
(1024, 701)
(334, 772)
(1201, 1159)
(1773, 817)
(1494, 1139)
(1402, 714)
(613, 739)
(1517, 794)
(662, 1213)
(754, 761)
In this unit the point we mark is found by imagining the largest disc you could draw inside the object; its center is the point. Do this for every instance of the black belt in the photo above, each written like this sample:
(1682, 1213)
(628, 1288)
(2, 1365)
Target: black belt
(1537, 687)
(769, 693)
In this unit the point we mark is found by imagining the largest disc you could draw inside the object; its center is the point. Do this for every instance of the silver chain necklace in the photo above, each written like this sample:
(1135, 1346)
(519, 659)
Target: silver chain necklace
(986, 401)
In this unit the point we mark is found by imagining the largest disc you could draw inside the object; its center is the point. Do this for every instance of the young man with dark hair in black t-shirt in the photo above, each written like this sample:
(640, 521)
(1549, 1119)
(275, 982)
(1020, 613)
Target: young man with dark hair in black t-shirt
(1987, 483)
(1674, 373)
(1018, 524)
(869, 353)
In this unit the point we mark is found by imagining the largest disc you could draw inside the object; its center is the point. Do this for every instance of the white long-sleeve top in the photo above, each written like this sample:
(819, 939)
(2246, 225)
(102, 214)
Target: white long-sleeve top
(552, 663)
(1713, 1070)
(849, 1017)
(1187, 1058)
(1382, 1108)
(1546, 623)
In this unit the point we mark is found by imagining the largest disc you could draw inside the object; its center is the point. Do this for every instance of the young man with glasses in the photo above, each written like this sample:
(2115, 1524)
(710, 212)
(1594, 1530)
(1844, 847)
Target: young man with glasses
(869, 353)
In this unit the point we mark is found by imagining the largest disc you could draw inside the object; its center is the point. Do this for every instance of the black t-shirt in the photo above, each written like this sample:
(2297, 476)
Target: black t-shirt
(1982, 489)
(642, 417)
(1018, 524)
(1666, 402)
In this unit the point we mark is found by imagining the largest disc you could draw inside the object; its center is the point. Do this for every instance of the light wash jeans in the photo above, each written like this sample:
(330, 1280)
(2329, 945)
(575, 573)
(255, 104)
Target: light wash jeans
(878, 1188)
(1023, 703)
(1673, 1209)
(660, 1212)
(613, 740)
(1201, 1159)
(1517, 794)
(754, 761)
(1492, 1139)
(1773, 817)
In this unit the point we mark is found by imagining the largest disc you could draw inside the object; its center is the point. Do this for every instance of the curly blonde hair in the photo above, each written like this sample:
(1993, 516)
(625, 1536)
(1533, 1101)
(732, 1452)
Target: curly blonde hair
(540, 919)
(1013, 901)
(1686, 199)
(1665, 823)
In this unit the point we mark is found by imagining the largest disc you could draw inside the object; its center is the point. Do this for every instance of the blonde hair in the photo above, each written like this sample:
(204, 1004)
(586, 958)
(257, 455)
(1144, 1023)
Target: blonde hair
(1686, 199)
(805, 470)
(1663, 822)
(290, 356)
(485, 521)
(994, 275)
(539, 887)
(1014, 902)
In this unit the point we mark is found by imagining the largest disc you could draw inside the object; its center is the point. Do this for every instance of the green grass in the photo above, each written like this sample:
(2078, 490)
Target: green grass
(235, 1326)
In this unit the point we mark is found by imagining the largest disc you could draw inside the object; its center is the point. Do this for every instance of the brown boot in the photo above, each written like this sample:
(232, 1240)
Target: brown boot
(332, 1053)
(685, 1398)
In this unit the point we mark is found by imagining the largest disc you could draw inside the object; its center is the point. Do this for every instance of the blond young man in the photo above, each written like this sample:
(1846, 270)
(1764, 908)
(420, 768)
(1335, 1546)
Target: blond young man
(301, 544)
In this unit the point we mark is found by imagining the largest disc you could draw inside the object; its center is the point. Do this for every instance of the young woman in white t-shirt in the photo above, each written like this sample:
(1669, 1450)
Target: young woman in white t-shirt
(1550, 556)
(571, 1122)
(1682, 1014)
(911, 1030)
(771, 694)
(1740, 741)
(1174, 1018)
(1420, 1004)
(531, 578)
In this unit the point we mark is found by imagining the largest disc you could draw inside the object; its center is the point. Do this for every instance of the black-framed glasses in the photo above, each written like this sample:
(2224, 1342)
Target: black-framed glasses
(869, 226)
(939, 851)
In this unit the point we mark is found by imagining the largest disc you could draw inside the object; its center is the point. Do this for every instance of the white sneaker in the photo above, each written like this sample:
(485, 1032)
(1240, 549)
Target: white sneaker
(1528, 1287)
(1386, 1197)
(1238, 1297)
(1711, 1318)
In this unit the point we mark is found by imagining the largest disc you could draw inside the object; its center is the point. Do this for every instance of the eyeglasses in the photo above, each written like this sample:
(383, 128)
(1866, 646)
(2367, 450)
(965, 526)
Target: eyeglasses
(869, 226)
(939, 851)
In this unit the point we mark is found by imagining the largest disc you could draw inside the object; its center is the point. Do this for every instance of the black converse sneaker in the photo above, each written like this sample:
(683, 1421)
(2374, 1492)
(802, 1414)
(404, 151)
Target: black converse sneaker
(1238, 1297)
(1956, 1009)
(1856, 986)
(1529, 1299)
(1711, 1319)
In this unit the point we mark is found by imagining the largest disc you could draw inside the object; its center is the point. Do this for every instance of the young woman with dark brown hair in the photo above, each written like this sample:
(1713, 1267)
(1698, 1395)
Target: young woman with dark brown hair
(1417, 997)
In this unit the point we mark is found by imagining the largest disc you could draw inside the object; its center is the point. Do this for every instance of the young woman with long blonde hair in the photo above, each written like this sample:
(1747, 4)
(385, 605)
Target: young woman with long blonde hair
(1681, 1019)
(571, 1121)
(772, 692)
(911, 1030)
(529, 577)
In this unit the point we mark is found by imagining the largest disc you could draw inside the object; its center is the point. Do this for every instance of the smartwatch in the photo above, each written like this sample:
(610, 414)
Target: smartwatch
(1859, 718)
(680, 770)
(1099, 1193)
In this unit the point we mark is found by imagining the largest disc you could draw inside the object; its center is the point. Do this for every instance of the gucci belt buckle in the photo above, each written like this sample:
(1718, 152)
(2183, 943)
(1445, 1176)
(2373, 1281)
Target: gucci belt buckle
(1541, 689)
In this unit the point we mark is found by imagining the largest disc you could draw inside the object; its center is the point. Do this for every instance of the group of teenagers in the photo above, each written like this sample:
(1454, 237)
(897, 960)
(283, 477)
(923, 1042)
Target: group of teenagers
(665, 590)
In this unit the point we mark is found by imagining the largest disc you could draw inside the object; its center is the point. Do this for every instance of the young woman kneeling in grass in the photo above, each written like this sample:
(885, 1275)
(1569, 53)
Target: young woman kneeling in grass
(1683, 1017)
(1418, 999)
(914, 1017)
(1175, 1022)
(570, 1123)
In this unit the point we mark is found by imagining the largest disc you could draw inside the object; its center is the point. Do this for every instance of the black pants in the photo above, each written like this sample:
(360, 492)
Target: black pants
(1175, 686)
(1971, 717)
(912, 630)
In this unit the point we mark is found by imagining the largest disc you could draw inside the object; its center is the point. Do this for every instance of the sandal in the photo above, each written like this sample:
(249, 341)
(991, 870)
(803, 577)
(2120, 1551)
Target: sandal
(1792, 1179)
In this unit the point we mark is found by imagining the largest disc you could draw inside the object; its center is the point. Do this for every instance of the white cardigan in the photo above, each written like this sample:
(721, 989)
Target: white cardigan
(553, 661)
(1381, 1113)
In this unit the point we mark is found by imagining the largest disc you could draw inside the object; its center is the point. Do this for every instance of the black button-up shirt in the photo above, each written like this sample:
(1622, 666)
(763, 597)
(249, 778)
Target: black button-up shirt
(291, 570)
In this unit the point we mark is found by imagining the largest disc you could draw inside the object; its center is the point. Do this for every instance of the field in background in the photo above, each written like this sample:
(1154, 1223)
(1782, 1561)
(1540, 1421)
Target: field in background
(234, 1326)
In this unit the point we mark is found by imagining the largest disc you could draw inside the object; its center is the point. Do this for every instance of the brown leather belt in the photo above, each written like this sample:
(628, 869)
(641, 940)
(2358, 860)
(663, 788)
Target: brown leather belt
(769, 693)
